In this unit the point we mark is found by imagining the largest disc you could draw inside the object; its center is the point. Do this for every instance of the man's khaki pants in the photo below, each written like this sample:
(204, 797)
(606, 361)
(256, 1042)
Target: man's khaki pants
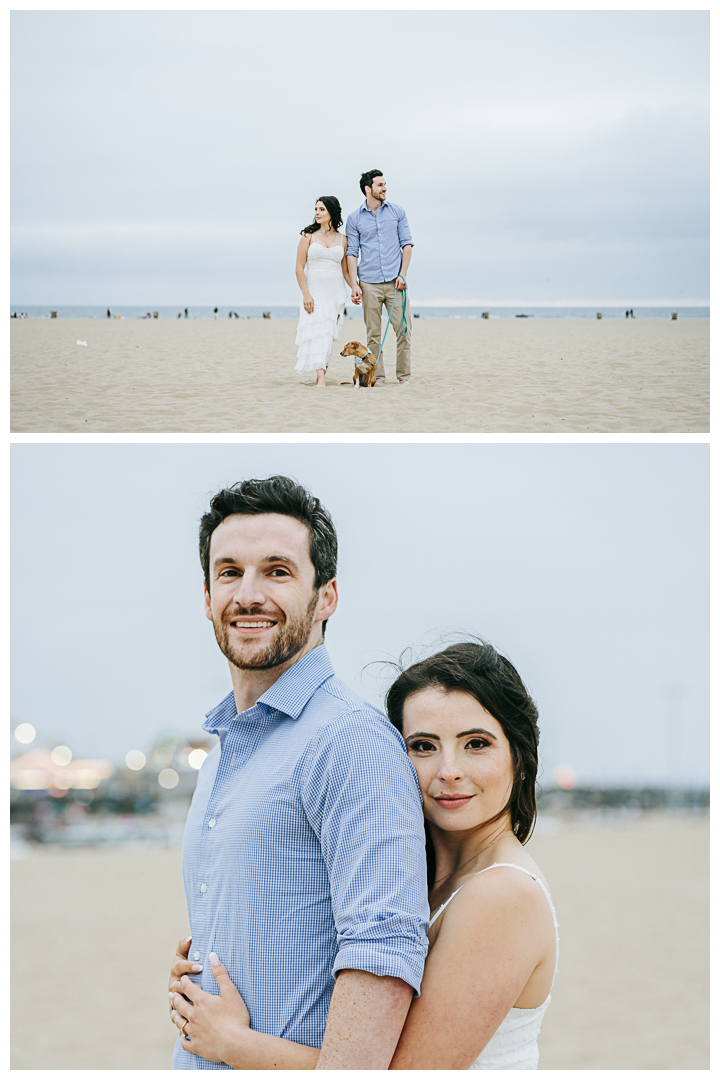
(374, 297)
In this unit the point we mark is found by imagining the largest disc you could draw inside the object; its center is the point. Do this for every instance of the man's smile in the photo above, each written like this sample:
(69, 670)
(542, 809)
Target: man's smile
(248, 624)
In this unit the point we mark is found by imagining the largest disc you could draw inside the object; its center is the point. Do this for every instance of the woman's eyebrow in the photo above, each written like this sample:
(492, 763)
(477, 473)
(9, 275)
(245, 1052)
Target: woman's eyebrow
(475, 731)
(422, 734)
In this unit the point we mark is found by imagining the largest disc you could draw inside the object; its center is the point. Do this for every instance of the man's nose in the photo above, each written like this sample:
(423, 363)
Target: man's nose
(250, 590)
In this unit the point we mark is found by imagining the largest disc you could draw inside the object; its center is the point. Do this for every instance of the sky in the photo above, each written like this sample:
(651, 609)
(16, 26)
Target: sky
(173, 157)
(586, 565)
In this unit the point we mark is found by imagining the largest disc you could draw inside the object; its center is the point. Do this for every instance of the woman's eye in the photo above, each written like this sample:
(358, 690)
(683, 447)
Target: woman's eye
(477, 744)
(423, 746)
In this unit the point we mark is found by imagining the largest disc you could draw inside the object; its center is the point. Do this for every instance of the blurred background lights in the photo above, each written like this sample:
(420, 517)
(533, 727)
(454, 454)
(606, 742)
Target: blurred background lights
(61, 755)
(168, 778)
(196, 758)
(25, 733)
(162, 756)
(135, 760)
(565, 777)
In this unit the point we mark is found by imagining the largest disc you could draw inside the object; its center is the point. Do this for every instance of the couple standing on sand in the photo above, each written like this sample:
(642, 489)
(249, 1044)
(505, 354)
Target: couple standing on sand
(309, 872)
(379, 235)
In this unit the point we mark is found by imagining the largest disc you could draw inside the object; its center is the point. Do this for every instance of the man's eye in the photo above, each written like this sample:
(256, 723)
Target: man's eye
(229, 573)
(279, 572)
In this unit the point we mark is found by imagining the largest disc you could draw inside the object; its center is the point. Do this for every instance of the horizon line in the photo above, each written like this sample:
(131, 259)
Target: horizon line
(415, 303)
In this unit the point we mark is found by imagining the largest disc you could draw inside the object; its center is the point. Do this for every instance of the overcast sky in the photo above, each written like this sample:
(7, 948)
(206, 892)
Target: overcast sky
(173, 157)
(585, 564)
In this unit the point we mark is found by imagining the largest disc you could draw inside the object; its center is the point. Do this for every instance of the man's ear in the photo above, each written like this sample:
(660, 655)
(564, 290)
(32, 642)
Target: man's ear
(327, 601)
(208, 603)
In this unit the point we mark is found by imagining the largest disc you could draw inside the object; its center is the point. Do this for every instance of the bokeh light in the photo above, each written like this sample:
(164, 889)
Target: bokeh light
(61, 755)
(196, 758)
(25, 733)
(565, 777)
(168, 778)
(135, 760)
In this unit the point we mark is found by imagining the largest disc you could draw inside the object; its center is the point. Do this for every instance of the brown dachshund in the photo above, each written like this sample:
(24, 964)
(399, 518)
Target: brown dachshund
(365, 365)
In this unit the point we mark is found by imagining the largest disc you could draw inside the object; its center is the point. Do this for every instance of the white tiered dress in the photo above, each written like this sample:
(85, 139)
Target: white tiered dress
(326, 284)
(514, 1044)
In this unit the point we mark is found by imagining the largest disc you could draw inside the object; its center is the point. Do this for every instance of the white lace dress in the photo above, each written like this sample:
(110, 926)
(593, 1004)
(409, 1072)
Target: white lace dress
(326, 284)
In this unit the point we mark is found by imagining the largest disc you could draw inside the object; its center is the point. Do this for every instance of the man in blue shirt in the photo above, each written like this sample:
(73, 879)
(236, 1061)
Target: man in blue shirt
(303, 856)
(378, 233)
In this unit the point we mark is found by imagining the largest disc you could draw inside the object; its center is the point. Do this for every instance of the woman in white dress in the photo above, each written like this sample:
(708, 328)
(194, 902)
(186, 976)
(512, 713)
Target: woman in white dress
(321, 270)
(470, 728)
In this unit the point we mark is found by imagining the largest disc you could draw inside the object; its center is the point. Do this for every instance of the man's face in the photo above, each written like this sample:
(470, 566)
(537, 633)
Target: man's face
(262, 601)
(379, 188)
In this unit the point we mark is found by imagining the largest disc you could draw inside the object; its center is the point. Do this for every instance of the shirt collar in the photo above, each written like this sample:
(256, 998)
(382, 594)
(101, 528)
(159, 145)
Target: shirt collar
(289, 695)
(366, 207)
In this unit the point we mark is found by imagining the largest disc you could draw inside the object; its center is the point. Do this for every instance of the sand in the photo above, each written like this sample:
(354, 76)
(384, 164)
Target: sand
(94, 932)
(469, 375)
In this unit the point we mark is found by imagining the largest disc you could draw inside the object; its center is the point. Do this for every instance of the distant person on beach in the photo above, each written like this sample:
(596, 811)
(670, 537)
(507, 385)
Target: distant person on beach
(186, 313)
(215, 313)
(379, 235)
(321, 270)
(108, 314)
(304, 858)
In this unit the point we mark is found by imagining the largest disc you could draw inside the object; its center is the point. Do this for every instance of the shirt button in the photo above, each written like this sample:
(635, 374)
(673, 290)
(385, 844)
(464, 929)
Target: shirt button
(203, 888)
(196, 955)
(211, 824)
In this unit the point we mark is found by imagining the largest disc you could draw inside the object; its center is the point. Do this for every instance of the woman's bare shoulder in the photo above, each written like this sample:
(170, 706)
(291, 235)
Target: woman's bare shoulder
(500, 894)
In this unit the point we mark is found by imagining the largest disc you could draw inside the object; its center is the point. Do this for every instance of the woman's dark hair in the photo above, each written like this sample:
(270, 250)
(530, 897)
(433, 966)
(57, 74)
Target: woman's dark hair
(333, 208)
(276, 495)
(366, 180)
(477, 669)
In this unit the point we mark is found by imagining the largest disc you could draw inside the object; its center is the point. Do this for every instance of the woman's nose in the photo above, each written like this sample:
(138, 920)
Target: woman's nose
(449, 770)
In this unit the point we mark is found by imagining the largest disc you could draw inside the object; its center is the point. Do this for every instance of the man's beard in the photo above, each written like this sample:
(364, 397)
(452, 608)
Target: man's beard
(290, 639)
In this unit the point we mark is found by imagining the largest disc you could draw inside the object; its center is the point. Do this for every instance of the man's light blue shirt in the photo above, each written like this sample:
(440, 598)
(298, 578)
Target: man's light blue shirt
(379, 240)
(304, 852)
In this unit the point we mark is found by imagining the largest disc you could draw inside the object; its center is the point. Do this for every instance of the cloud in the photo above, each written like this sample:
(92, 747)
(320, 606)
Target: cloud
(175, 145)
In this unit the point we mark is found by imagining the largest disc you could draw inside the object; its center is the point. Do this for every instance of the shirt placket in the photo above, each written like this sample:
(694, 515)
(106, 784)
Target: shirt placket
(239, 745)
(383, 275)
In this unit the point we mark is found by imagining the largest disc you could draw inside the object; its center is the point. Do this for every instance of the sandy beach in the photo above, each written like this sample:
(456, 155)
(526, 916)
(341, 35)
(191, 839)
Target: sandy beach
(469, 375)
(94, 932)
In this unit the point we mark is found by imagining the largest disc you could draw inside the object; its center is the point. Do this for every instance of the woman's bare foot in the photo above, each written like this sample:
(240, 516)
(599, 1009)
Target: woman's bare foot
(320, 378)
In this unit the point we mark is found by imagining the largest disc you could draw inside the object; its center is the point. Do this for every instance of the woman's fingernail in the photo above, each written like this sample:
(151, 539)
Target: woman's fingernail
(214, 958)
(186, 940)
(171, 995)
(197, 967)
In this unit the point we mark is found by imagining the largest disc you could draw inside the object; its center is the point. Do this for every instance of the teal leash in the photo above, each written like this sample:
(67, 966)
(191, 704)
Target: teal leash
(404, 319)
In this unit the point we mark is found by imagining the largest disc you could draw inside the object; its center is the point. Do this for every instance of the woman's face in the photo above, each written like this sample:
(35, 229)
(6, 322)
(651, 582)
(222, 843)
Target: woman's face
(322, 216)
(461, 755)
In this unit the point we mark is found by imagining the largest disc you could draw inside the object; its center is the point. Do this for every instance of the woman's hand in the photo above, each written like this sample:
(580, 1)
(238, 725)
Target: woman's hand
(212, 1026)
(182, 966)
(308, 303)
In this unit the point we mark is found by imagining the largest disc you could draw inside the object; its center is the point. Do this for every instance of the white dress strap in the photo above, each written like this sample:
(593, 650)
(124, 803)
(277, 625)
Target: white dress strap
(529, 873)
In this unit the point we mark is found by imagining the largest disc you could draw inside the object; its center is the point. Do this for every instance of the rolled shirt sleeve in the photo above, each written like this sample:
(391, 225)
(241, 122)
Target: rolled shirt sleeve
(403, 228)
(362, 799)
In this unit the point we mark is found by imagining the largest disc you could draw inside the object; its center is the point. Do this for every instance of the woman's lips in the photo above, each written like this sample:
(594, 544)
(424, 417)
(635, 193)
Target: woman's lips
(453, 802)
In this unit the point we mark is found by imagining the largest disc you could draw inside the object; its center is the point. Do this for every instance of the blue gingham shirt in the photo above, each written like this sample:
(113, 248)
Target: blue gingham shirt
(304, 852)
(379, 240)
